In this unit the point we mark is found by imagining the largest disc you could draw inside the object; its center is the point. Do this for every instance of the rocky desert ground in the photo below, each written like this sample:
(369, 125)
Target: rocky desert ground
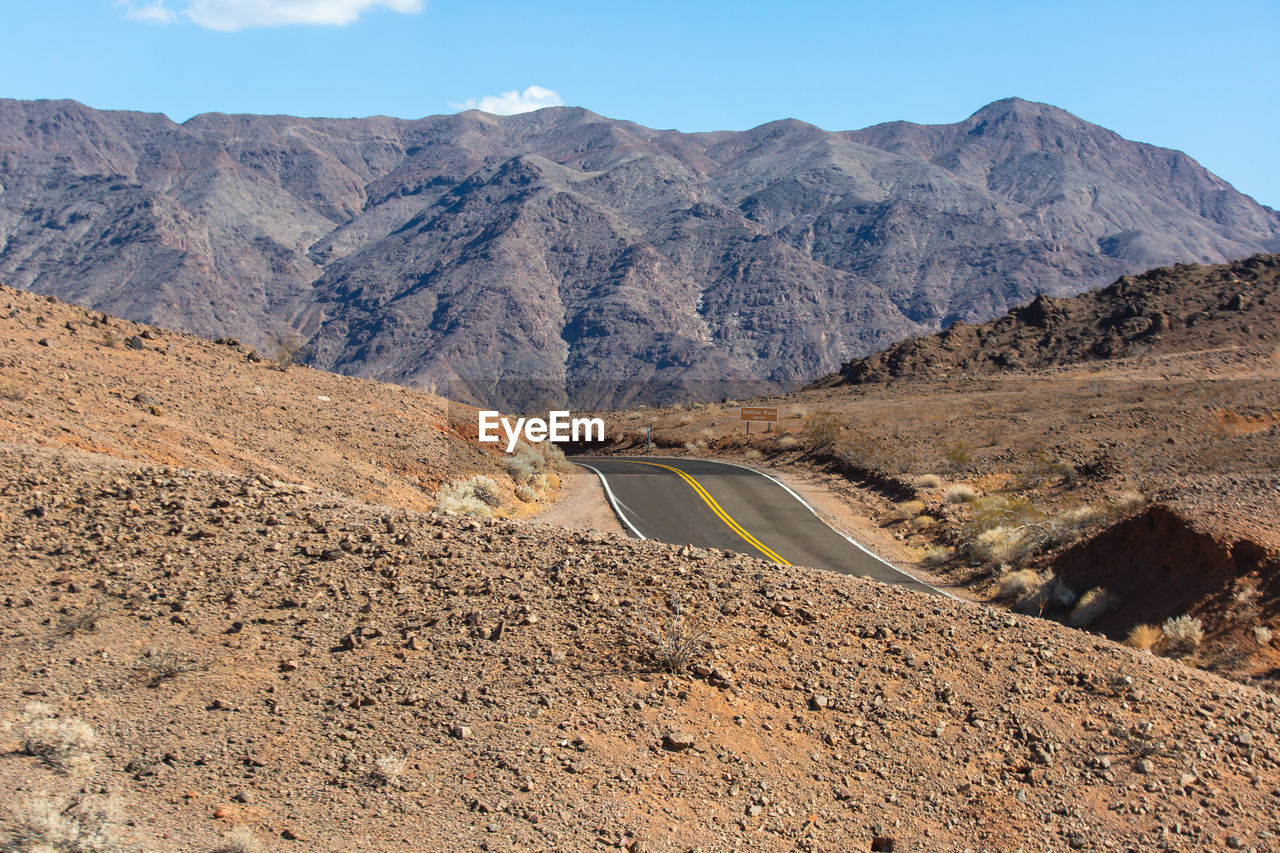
(233, 622)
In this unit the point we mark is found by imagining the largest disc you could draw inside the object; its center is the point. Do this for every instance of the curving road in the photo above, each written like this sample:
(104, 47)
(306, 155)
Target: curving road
(720, 505)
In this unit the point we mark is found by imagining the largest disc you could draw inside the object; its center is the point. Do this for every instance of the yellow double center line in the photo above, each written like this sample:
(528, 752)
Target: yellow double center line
(723, 516)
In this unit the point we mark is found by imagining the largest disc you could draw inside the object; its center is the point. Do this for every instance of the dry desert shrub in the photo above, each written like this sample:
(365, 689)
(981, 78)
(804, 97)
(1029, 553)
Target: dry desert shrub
(239, 840)
(929, 481)
(284, 353)
(937, 555)
(1262, 635)
(1143, 637)
(1009, 530)
(1034, 593)
(1091, 607)
(960, 455)
(526, 494)
(907, 510)
(63, 743)
(673, 641)
(753, 455)
(787, 442)
(1051, 593)
(86, 619)
(1000, 546)
(922, 522)
(1020, 583)
(520, 471)
(387, 770)
(160, 665)
(47, 825)
(1126, 503)
(1182, 634)
(822, 431)
(960, 494)
(461, 498)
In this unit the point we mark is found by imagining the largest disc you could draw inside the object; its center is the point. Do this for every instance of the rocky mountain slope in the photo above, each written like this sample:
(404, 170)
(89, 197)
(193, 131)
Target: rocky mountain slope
(561, 253)
(1180, 309)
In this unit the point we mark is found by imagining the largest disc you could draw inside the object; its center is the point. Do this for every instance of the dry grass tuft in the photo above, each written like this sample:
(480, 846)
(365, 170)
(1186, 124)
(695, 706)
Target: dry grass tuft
(937, 555)
(1091, 607)
(63, 743)
(239, 840)
(960, 494)
(1019, 584)
(929, 481)
(1143, 637)
(1126, 503)
(387, 770)
(999, 546)
(907, 510)
(81, 825)
(922, 522)
(468, 497)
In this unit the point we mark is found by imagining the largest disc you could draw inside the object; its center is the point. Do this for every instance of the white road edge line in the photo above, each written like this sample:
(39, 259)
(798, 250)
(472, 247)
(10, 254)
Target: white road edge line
(846, 537)
(613, 501)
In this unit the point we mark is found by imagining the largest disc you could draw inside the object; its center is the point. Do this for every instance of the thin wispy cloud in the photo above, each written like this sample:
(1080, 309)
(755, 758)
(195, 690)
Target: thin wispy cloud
(515, 101)
(148, 13)
(232, 15)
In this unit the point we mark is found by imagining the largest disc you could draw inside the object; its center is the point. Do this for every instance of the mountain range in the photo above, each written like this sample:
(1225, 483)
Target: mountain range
(562, 256)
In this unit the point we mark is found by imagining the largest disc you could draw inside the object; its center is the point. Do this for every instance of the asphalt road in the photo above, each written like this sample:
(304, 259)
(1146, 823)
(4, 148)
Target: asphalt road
(717, 505)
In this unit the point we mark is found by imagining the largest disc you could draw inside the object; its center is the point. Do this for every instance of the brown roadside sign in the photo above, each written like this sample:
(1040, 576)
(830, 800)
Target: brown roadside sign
(759, 415)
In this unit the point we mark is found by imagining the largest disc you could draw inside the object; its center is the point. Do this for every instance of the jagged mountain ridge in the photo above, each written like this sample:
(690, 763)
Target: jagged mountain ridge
(559, 253)
(1186, 308)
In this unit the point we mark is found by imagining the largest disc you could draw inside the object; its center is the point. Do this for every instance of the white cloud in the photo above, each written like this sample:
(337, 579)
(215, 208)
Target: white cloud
(150, 13)
(231, 15)
(510, 103)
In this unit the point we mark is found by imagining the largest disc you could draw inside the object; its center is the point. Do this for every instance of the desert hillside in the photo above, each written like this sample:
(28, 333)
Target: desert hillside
(1181, 309)
(1108, 460)
(79, 379)
(230, 661)
(560, 254)
(228, 628)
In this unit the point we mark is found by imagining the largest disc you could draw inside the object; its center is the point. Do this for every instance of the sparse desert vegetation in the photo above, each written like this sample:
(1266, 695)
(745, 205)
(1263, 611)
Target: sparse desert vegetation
(1143, 637)
(81, 824)
(1182, 634)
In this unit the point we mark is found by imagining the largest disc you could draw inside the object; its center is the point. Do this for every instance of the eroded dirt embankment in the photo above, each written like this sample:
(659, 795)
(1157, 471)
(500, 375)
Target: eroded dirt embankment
(1160, 564)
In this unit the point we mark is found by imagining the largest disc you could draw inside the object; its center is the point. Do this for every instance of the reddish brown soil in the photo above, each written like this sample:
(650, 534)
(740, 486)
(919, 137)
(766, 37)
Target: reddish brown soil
(68, 378)
(309, 636)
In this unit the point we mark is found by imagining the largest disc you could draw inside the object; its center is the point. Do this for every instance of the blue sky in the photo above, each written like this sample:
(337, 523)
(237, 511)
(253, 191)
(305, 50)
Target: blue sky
(1196, 76)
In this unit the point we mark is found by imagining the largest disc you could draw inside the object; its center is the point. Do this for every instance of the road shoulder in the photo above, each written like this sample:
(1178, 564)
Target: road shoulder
(581, 505)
